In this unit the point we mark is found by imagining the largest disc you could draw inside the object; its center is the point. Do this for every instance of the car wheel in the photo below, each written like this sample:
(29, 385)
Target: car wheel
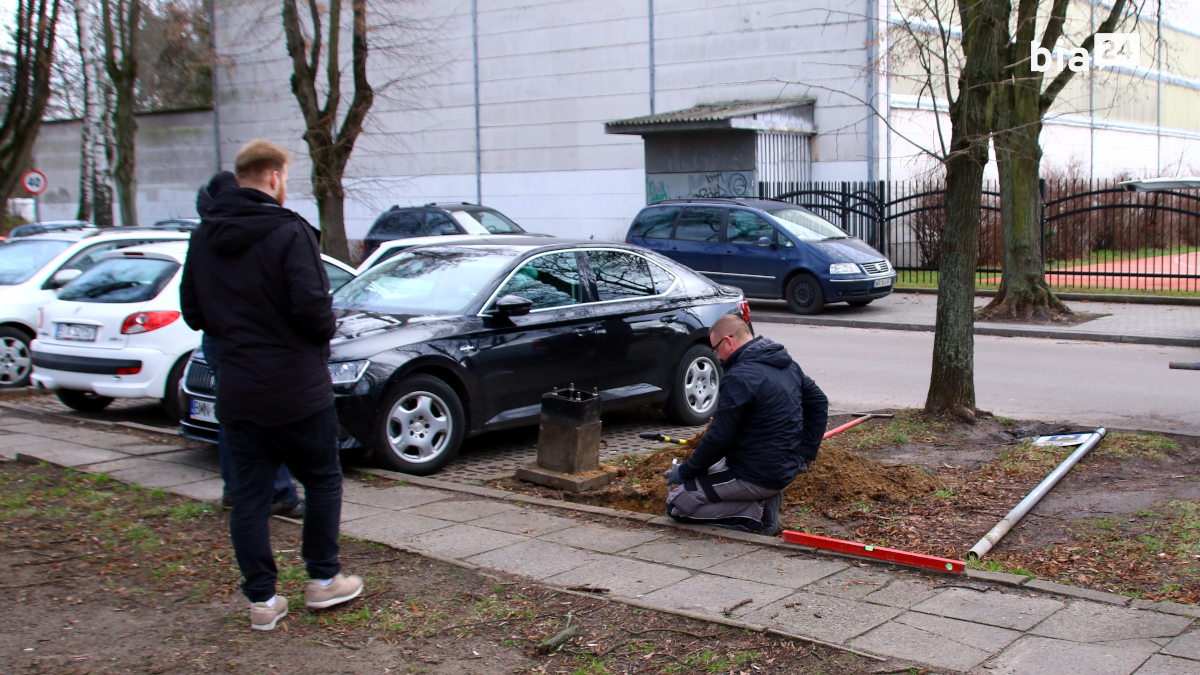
(421, 426)
(859, 303)
(804, 294)
(16, 361)
(83, 401)
(693, 396)
(172, 402)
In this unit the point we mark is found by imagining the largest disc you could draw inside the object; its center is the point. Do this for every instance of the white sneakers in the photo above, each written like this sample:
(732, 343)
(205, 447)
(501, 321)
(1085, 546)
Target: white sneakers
(341, 589)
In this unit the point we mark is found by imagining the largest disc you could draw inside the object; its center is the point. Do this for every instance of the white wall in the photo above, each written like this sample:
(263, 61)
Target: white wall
(551, 73)
(175, 156)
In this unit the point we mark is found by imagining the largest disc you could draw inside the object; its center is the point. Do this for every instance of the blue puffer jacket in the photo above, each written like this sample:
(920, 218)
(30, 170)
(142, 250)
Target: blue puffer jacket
(769, 417)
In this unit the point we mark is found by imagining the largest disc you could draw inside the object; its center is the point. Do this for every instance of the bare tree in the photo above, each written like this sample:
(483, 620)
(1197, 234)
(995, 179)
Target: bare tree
(329, 144)
(33, 57)
(121, 21)
(1022, 102)
(95, 175)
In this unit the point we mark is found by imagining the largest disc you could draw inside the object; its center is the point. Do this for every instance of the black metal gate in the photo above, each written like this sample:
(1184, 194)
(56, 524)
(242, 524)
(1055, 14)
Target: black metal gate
(1095, 234)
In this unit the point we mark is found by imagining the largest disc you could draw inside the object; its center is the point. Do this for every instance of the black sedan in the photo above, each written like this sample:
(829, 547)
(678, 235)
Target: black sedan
(444, 342)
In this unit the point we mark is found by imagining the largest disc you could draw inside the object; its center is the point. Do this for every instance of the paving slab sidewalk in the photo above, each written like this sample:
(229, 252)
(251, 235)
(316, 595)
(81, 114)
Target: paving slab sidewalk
(1171, 325)
(948, 623)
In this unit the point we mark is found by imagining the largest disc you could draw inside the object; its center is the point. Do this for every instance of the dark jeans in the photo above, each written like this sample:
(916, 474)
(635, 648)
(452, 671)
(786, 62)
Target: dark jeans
(285, 489)
(308, 447)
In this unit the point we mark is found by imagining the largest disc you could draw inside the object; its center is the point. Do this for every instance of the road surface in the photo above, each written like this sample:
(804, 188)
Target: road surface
(1121, 386)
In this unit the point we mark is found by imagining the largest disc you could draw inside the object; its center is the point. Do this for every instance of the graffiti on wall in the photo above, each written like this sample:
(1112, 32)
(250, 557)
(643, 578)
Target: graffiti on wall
(660, 186)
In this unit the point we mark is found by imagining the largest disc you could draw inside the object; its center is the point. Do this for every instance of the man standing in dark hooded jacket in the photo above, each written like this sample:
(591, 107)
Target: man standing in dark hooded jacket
(254, 282)
(767, 429)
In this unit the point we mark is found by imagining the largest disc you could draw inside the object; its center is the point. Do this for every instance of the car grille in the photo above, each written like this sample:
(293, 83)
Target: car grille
(200, 379)
(876, 267)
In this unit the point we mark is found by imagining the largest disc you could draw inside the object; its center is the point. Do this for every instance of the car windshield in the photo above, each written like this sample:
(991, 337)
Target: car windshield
(20, 260)
(431, 281)
(486, 222)
(121, 280)
(807, 226)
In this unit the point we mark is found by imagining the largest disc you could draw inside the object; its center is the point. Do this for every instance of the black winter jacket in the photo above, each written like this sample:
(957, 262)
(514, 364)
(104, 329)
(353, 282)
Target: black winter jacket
(770, 416)
(254, 281)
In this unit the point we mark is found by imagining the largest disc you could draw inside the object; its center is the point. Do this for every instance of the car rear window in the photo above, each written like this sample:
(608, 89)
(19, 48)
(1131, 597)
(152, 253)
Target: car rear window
(486, 221)
(655, 223)
(699, 224)
(121, 280)
(400, 224)
(20, 260)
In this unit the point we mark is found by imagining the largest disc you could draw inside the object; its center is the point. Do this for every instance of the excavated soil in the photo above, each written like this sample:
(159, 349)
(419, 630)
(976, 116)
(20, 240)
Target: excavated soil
(837, 477)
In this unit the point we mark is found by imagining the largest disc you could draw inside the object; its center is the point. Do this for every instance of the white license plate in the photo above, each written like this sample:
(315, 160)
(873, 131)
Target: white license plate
(883, 282)
(205, 411)
(75, 331)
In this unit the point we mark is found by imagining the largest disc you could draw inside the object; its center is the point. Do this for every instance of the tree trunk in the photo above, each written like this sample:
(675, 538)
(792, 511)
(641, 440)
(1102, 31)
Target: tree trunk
(120, 60)
(952, 380)
(125, 170)
(330, 205)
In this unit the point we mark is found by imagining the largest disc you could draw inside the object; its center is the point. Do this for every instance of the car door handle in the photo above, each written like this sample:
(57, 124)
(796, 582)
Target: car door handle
(670, 318)
(584, 330)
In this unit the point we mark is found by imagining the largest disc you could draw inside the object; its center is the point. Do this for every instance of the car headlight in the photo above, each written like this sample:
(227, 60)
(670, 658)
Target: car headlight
(844, 268)
(347, 372)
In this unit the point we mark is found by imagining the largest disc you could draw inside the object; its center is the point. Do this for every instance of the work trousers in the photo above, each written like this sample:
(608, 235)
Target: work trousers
(719, 499)
(308, 448)
(285, 489)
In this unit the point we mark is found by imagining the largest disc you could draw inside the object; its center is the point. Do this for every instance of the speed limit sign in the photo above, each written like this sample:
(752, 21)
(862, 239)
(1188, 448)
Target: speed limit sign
(34, 182)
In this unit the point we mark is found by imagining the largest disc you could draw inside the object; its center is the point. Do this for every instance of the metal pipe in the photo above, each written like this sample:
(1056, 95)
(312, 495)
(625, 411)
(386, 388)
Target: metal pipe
(651, 26)
(997, 533)
(855, 422)
(475, 62)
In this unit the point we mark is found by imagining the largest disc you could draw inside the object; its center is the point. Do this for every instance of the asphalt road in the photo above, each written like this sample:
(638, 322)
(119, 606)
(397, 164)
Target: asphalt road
(1118, 385)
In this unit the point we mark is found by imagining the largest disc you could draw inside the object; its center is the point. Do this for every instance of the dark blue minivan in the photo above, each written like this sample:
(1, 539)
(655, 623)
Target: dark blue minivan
(769, 249)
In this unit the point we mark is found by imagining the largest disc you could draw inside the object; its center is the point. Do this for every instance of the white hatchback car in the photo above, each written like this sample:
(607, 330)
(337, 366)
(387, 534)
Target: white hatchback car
(33, 268)
(117, 331)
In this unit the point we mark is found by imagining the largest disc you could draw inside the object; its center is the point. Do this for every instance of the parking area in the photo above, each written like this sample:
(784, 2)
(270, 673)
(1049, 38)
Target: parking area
(483, 458)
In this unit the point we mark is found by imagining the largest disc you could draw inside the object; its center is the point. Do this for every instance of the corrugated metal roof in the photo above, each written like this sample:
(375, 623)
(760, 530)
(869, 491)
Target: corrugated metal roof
(713, 112)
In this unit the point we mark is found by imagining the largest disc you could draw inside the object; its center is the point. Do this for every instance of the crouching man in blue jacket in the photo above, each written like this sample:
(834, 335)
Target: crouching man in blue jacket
(768, 426)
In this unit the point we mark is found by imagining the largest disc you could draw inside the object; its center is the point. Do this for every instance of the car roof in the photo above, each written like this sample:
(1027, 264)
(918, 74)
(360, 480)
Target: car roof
(433, 240)
(166, 250)
(135, 232)
(56, 235)
(760, 204)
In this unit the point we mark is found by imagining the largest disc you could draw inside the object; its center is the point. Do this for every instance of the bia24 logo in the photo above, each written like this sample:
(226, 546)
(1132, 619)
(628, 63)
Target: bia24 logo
(1111, 49)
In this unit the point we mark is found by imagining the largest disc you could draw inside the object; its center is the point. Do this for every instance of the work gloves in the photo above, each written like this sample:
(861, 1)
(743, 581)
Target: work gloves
(673, 476)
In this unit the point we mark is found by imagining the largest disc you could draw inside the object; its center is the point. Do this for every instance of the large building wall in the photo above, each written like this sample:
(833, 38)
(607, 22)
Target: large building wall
(551, 73)
(175, 156)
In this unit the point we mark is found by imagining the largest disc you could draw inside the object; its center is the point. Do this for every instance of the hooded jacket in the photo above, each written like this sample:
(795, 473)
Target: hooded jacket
(254, 281)
(770, 417)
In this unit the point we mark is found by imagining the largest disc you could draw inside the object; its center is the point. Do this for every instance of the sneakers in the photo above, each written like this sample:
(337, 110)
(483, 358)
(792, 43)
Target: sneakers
(264, 616)
(342, 589)
(294, 511)
(772, 516)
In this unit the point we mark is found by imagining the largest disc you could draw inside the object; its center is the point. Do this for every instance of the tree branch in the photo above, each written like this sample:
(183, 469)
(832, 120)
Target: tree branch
(1060, 81)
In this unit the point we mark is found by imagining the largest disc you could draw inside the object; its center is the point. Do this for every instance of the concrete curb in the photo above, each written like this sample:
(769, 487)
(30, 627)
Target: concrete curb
(1084, 297)
(983, 329)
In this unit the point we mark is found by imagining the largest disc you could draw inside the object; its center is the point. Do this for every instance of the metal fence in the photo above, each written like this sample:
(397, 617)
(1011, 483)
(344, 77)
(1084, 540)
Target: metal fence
(1094, 234)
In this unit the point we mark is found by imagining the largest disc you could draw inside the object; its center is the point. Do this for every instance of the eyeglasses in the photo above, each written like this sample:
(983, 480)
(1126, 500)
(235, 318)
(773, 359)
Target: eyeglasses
(727, 337)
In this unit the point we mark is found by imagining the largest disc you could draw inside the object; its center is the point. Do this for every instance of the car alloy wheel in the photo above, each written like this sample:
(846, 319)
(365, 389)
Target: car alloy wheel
(419, 427)
(700, 385)
(15, 362)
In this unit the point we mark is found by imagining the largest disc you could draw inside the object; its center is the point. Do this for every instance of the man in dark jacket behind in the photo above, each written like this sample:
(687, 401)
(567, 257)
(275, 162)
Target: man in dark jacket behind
(768, 426)
(254, 281)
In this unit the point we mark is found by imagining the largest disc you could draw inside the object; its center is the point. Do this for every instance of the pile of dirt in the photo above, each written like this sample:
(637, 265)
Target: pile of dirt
(837, 477)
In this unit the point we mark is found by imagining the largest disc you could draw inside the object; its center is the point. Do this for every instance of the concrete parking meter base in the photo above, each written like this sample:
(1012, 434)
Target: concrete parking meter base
(570, 482)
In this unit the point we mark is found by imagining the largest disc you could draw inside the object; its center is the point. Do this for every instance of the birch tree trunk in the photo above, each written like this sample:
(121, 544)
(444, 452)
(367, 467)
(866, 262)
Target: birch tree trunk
(122, 19)
(95, 180)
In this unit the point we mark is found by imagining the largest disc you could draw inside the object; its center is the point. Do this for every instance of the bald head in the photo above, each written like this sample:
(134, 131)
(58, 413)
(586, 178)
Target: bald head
(728, 334)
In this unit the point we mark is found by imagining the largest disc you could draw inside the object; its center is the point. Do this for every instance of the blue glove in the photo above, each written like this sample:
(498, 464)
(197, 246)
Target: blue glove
(673, 476)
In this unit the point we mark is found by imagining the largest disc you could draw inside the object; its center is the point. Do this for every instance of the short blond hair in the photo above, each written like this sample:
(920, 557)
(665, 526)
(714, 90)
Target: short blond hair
(731, 325)
(259, 157)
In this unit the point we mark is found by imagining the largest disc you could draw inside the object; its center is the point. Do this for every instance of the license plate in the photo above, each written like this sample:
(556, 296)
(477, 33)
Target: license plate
(883, 282)
(205, 411)
(75, 331)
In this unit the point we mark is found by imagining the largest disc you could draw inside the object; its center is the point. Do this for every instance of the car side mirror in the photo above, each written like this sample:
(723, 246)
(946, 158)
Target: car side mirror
(512, 305)
(64, 277)
(764, 241)
(446, 230)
